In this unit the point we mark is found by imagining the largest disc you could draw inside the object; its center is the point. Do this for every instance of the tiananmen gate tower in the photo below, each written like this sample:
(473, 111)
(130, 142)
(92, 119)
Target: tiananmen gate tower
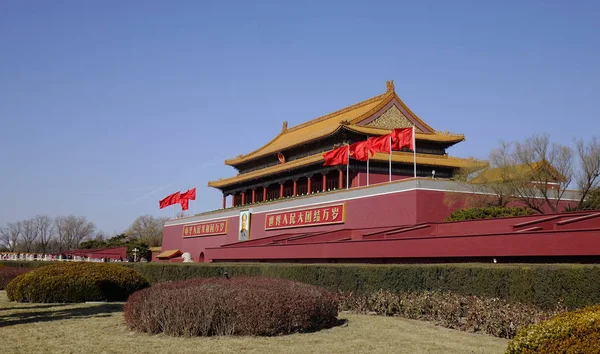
(285, 205)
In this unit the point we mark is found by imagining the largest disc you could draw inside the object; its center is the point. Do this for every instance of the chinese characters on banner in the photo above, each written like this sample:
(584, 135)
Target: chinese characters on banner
(331, 214)
(210, 228)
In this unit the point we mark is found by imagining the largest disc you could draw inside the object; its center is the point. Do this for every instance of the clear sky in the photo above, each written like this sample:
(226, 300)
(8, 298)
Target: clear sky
(108, 106)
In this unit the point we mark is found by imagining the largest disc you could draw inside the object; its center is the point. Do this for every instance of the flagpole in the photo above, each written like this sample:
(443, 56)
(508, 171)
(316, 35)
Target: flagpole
(367, 169)
(348, 168)
(390, 157)
(414, 152)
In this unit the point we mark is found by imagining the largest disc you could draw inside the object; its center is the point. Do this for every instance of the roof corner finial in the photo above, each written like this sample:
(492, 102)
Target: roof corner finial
(284, 126)
(390, 85)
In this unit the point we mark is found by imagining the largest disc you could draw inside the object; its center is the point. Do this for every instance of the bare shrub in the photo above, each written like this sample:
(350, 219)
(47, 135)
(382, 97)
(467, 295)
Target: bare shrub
(467, 313)
(237, 306)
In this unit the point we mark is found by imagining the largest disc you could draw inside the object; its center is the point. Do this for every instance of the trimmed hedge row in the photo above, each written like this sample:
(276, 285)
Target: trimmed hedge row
(488, 213)
(540, 285)
(536, 284)
(237, 306)
(569, 332)
(76, 282)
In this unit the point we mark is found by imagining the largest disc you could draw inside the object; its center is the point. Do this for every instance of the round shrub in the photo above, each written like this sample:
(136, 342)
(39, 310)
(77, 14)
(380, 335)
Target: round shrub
(568, 332)
(9, 273)
(237, 306)
(76, 282)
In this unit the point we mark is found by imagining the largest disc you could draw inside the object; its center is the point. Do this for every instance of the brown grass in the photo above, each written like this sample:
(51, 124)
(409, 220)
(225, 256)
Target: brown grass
(100, 328)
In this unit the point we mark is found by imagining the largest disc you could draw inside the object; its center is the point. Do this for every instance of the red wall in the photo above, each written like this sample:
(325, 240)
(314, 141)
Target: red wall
(374, 178)
(374, 211)
(402, 208)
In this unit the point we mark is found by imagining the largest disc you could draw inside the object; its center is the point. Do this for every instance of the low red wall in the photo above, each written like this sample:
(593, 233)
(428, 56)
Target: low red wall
(373, 211)
(386, 210)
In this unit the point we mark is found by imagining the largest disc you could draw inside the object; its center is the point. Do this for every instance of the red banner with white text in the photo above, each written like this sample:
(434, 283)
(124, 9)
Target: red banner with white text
(208, 228)
(325, 215)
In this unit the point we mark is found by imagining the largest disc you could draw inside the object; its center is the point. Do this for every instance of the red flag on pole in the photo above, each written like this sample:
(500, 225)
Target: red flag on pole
(170, 200)
(380, 143)
(339, 156)
(401, 138)
(362, 150)
(188, 195)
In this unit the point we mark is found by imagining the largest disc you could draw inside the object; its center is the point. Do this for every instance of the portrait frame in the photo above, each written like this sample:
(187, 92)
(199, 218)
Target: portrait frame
(244, 225)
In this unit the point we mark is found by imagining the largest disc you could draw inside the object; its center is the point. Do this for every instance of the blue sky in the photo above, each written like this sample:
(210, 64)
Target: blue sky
(106, 107)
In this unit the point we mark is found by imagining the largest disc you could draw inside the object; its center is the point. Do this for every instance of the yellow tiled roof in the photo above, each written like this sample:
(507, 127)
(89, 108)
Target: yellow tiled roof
(154, 249)
(437, 136)
(330, 123)
(505, 174)
(397, 156)
(169, 254)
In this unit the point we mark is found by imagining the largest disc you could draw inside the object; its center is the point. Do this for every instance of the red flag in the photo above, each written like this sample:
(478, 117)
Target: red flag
(381, 143)
(362, 150)
(184, 203)
(170, 200)
(401, 138)
(190, 194)
(337, 156)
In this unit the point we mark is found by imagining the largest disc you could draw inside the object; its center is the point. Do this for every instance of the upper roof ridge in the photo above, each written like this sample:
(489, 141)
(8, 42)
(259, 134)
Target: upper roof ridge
(345, 109)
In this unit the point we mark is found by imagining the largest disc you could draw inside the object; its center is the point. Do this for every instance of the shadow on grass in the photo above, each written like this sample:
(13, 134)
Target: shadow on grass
(33, 307)
(102, 310)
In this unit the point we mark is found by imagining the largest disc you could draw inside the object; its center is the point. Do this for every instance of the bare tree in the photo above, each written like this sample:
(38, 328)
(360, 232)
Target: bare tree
(147, 229)
(71, 230)
(29, 233)
(499, 184)
(45, 229)
(548, 171)
(11, 235)
(589, 159)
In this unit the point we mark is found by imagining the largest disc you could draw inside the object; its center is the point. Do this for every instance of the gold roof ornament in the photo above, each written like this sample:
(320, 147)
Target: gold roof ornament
(390, 85)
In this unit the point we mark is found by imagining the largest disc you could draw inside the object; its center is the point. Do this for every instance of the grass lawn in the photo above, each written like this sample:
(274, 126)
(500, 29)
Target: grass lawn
(99, 328)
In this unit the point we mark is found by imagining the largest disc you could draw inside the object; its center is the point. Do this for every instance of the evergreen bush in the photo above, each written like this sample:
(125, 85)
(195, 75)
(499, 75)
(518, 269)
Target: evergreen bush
(488, 213)
(76, 282)
(238, 306)
(569, 332)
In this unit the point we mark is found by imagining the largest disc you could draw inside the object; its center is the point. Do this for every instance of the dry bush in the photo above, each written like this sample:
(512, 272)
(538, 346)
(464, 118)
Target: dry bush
(237, 306)
(76, 282)
(467, 313)
(9, 273)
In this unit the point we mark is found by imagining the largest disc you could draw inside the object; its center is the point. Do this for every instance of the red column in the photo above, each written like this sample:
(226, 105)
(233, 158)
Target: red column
(233, 200)
(280, 190)
(264, 194)
(295, 188)
(243, 198)
(340, 179)
(253, 196)
(324, 182)
(309, 187)
(224, 201)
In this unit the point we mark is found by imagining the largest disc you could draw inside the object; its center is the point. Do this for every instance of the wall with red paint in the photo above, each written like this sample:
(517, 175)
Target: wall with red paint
(374, 211)
(386, 210)
(374, 178)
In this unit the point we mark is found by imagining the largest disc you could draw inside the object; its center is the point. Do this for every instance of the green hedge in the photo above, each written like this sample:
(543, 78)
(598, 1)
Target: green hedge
(537, 284)
(488, 213)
